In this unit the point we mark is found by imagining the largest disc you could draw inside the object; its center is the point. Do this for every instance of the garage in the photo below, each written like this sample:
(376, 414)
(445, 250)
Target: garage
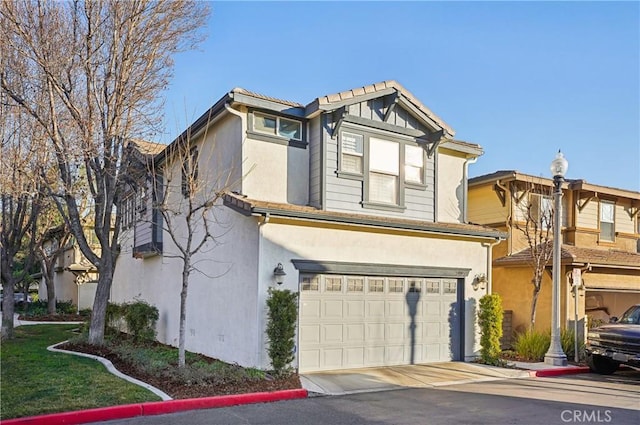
(353, 321)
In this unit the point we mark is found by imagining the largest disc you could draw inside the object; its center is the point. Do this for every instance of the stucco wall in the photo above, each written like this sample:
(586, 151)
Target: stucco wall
(450, 197)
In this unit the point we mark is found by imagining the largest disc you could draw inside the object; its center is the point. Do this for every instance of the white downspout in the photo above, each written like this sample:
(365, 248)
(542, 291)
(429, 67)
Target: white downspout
(465, 186)
(489, 247)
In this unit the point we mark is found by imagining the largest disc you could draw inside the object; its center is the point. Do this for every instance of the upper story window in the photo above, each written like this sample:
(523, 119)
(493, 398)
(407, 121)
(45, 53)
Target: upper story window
(607, 221)
(542, 210)
(384, 171)
(351, 153)
(413, 164)
(277, 126)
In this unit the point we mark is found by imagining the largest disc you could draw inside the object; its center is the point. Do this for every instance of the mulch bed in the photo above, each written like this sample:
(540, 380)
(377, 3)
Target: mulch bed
(54, 318)
(179, 390)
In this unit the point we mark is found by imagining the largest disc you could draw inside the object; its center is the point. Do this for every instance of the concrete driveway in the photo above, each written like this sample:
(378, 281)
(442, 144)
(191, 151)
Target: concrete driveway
(351, 381)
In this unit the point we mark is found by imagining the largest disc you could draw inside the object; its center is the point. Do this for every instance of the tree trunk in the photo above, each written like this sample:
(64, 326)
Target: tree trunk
(51, 289)
(7, 310)
(183, 312)
(534, 304)
(103, 292)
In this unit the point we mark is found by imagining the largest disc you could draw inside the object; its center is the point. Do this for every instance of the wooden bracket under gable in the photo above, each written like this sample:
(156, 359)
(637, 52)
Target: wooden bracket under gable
(514, 190)
(501, 192)
(393, 101)
(433, 141)
(342, 113)
(585, 201)
(633, 210)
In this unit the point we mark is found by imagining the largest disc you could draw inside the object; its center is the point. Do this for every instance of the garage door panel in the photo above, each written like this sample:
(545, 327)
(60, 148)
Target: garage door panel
(332, 333)
(332, 309)
(367, 322)
(375, 309)
(375, 332)
(309, 334)
(310, 309)
(395, 332)
(354, 333)
(354, 309)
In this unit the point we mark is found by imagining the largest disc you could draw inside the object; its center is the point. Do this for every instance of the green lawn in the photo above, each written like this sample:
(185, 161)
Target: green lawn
(34, 381)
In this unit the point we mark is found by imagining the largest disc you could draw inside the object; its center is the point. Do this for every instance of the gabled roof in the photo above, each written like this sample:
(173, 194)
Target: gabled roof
(571, 184)
(571, 254)
(148, 148)
(348, 97)
(255, 207)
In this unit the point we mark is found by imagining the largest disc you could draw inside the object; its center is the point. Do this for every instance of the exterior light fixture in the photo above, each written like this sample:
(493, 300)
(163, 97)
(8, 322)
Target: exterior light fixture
(279, 274)
(479, 281)
(555, 356)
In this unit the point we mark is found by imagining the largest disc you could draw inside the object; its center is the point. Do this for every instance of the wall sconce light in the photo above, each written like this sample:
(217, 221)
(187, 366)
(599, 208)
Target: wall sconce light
(479, 281)
(279, 274)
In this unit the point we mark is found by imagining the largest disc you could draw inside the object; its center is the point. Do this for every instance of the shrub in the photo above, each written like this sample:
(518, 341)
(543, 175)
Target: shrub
(567, 338)
(113, 318)
(490, 319)
(532, 345)
(281, 328)
(141, 318)
(65, 307)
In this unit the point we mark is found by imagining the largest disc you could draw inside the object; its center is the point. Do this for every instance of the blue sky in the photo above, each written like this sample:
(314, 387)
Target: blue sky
(522, 79)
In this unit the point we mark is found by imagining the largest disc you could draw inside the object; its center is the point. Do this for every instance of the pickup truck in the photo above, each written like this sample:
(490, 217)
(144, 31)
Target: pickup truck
(609, 346)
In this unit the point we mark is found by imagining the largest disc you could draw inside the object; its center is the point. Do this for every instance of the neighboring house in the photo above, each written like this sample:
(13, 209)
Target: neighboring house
(360, 196)
(600, 235)
(75, 278)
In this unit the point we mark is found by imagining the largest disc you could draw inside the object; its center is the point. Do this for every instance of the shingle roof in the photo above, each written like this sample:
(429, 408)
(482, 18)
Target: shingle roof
(249, 206)
(571, 254)
(269, 98)
(148, 148)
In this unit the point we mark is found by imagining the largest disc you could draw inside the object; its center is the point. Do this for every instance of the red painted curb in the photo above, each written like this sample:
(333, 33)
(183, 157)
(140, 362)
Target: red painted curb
(560, 371)
(80, 416)
(163, 407)
(154, 408)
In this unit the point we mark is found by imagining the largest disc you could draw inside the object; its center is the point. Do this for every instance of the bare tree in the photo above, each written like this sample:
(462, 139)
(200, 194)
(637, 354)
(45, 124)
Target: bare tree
(19, 204)
(91, 73)
(187, 196)
(534, 218)
(51, 243)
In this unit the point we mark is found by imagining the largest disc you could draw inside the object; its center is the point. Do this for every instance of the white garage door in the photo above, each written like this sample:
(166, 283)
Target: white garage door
(359, 321)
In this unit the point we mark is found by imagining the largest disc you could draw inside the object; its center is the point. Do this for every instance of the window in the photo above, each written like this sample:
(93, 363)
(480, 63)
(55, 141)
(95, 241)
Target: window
(333, 284)
(449, 287)
(607, 221)
(384, 167)
(541, 210)
(432, 287)
(355, 284)
(128, 211)
(376, 285)
(414, 285)
(310, 284)
(413, 164)
(351, 158)
(277, 126)
(396, 285)
(190, 173)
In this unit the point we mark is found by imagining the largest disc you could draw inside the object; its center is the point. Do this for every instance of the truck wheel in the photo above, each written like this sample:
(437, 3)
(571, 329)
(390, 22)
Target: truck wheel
(601, 365)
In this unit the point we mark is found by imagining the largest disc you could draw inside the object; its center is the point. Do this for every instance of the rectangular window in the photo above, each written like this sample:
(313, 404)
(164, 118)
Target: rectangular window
(432, 287)
(376, 285)
(355, 284)
(396, 286)
(415, 285)
(607, 221)
(310, 284)
(333, 284)
(413, 164)
(384, 168)
(351, 158)
(277, 126)
(450, 287)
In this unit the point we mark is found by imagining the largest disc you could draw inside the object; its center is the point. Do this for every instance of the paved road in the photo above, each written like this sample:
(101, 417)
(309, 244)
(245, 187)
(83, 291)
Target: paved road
(577, 399)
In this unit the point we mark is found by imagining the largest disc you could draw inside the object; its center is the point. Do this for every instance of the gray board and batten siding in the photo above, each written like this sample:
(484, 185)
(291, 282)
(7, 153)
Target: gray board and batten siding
(346, 193)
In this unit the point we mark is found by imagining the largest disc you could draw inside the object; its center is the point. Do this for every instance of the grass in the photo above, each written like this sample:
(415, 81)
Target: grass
(34, 381)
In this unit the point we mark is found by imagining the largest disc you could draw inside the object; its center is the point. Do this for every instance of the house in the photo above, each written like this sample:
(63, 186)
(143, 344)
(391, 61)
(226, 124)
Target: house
(600, 237)
(357, 201)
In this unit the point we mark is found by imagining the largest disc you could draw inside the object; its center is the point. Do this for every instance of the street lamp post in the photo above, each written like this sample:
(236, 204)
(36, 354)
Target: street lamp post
(555, 356)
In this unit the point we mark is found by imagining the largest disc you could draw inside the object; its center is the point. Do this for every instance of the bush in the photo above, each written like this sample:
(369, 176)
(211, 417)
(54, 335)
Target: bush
(490, 320)
(65, 307)
(532, 345)
(567, 338)
(113, 318)
(281, 328)
(141, 318)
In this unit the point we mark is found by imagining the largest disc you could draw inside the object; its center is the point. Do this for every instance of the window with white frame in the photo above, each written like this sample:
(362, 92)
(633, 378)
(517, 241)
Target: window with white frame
(413, 164)
(384, 169)
(541, 210)
(277, 126)
(607, 221)
(351, 146)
